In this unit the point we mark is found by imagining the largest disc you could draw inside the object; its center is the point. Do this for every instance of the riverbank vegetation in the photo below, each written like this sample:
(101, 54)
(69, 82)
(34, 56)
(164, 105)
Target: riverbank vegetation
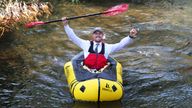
(14, 13)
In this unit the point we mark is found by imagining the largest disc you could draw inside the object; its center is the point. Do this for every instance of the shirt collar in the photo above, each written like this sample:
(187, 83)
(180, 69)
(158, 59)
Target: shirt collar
(97, 43)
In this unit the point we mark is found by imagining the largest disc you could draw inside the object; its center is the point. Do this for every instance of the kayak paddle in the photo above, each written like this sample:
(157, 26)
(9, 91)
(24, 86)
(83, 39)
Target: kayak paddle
(109, 12)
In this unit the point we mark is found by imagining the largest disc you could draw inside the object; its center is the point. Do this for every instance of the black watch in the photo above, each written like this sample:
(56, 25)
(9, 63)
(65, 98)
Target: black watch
(132, 37)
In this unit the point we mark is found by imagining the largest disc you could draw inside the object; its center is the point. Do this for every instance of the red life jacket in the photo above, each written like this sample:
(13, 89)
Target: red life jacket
(95, 60)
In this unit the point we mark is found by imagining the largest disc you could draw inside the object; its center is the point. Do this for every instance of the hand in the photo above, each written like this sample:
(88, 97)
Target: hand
(65, 22)
(133, 33)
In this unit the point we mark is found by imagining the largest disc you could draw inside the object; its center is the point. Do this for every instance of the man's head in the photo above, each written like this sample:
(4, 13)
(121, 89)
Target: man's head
(98, 35)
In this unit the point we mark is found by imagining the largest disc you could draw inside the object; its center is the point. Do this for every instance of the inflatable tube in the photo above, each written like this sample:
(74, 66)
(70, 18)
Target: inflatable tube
(94, 86)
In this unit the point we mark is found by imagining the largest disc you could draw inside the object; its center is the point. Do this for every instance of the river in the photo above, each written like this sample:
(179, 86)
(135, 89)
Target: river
(157, 67)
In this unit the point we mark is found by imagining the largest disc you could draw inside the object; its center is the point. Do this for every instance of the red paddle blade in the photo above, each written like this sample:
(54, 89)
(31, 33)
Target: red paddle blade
(31, 24)
(116, 10)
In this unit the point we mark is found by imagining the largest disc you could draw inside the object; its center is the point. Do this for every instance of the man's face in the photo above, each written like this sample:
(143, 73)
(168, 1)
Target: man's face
(98, 36)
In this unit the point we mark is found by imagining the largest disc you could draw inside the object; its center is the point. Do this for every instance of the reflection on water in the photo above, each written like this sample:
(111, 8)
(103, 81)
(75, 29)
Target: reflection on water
(157, 67)
(116, 104)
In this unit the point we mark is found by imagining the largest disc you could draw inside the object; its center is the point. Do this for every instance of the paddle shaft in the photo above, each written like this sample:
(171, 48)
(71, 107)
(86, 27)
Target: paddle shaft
(76, 17)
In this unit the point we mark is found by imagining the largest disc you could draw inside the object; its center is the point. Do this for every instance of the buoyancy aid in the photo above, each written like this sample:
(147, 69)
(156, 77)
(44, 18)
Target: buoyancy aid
(95, 60)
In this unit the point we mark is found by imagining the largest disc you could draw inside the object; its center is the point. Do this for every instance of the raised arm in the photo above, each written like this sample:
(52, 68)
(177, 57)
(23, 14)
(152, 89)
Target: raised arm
(125, 41)
(72, 36)
(118, 46)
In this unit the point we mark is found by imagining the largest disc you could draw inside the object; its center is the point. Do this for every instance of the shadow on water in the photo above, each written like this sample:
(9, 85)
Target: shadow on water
(116, 104)
(13, 70)
(159, 89)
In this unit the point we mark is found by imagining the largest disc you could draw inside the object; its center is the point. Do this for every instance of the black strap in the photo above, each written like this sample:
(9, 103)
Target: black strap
(92, 51)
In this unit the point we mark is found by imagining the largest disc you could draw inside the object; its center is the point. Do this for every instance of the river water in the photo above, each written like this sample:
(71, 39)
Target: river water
(157, 67)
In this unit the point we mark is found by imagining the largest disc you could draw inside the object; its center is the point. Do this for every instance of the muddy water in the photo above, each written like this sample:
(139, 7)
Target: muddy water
(156, 67)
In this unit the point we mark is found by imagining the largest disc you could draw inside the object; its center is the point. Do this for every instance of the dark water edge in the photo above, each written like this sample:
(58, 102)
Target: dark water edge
(13, 69)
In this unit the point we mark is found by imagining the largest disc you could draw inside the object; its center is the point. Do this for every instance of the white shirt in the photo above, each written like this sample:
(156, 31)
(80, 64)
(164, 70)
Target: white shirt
(85, 44)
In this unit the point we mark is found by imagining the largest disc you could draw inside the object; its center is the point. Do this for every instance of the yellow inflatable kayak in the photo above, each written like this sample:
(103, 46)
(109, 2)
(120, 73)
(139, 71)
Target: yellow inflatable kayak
(86, 85)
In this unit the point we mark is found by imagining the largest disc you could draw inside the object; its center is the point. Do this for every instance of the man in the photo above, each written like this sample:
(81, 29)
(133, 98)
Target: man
(96, 51)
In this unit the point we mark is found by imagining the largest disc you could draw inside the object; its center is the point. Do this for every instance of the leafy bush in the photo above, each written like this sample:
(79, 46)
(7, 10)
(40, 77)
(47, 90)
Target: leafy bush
(14, 13)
